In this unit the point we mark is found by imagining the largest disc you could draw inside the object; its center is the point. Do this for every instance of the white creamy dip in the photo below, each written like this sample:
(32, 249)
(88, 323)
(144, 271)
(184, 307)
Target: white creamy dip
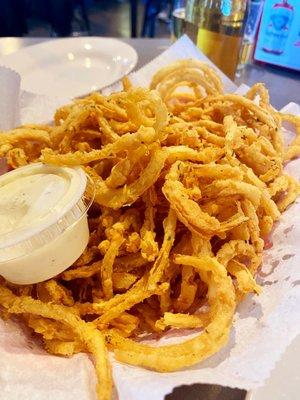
(43, 221)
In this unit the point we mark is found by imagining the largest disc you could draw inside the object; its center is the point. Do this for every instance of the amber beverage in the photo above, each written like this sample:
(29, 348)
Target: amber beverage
(217, 27)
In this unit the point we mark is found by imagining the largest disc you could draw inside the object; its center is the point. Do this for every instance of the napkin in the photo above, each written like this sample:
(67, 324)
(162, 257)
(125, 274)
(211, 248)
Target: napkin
(10, 98)
(18, 107)
(263, 327)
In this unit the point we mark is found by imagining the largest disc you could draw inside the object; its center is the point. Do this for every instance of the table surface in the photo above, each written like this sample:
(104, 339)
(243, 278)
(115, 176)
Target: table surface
(284, 86)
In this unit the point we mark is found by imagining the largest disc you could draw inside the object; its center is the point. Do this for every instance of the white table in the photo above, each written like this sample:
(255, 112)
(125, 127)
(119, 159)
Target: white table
(284, 85)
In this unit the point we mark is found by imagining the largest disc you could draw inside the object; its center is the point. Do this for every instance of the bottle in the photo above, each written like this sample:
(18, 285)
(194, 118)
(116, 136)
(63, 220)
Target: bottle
(217, 27)
(178, 19)
(278, 28)
(250, 34)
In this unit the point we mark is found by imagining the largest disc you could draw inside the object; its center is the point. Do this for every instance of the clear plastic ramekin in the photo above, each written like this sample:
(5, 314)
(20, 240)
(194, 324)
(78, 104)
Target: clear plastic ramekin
(43, 221)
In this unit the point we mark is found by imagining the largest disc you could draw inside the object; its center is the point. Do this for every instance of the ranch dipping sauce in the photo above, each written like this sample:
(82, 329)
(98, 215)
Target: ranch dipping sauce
(43, 221)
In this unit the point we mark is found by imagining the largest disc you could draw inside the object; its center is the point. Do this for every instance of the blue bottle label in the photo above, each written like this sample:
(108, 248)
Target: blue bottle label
(278, 28)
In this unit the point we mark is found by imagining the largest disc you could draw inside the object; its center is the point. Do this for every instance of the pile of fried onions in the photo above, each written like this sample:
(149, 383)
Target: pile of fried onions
(189, 182)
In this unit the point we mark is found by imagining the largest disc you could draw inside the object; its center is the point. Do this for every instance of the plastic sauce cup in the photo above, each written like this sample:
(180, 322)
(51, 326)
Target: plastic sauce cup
(43, 221)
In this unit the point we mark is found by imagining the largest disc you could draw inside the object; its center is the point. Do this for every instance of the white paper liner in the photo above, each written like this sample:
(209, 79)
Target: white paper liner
(9, 98)
(183, 48)
(18, 107)
(37, 107)
(263, 328)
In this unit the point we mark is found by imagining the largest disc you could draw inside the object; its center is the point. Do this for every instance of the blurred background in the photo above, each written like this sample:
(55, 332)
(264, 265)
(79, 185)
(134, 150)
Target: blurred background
(232, 33)
(44, 18)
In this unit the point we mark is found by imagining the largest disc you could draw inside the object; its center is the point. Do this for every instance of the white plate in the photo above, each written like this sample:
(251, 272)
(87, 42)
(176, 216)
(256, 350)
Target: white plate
(73, 66)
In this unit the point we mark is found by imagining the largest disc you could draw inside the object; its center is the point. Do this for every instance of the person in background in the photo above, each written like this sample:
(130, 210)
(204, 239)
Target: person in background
(58, 13)
(12, 18)
(61, 13)
(166, 11)
(154, 9)
(60, 16)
